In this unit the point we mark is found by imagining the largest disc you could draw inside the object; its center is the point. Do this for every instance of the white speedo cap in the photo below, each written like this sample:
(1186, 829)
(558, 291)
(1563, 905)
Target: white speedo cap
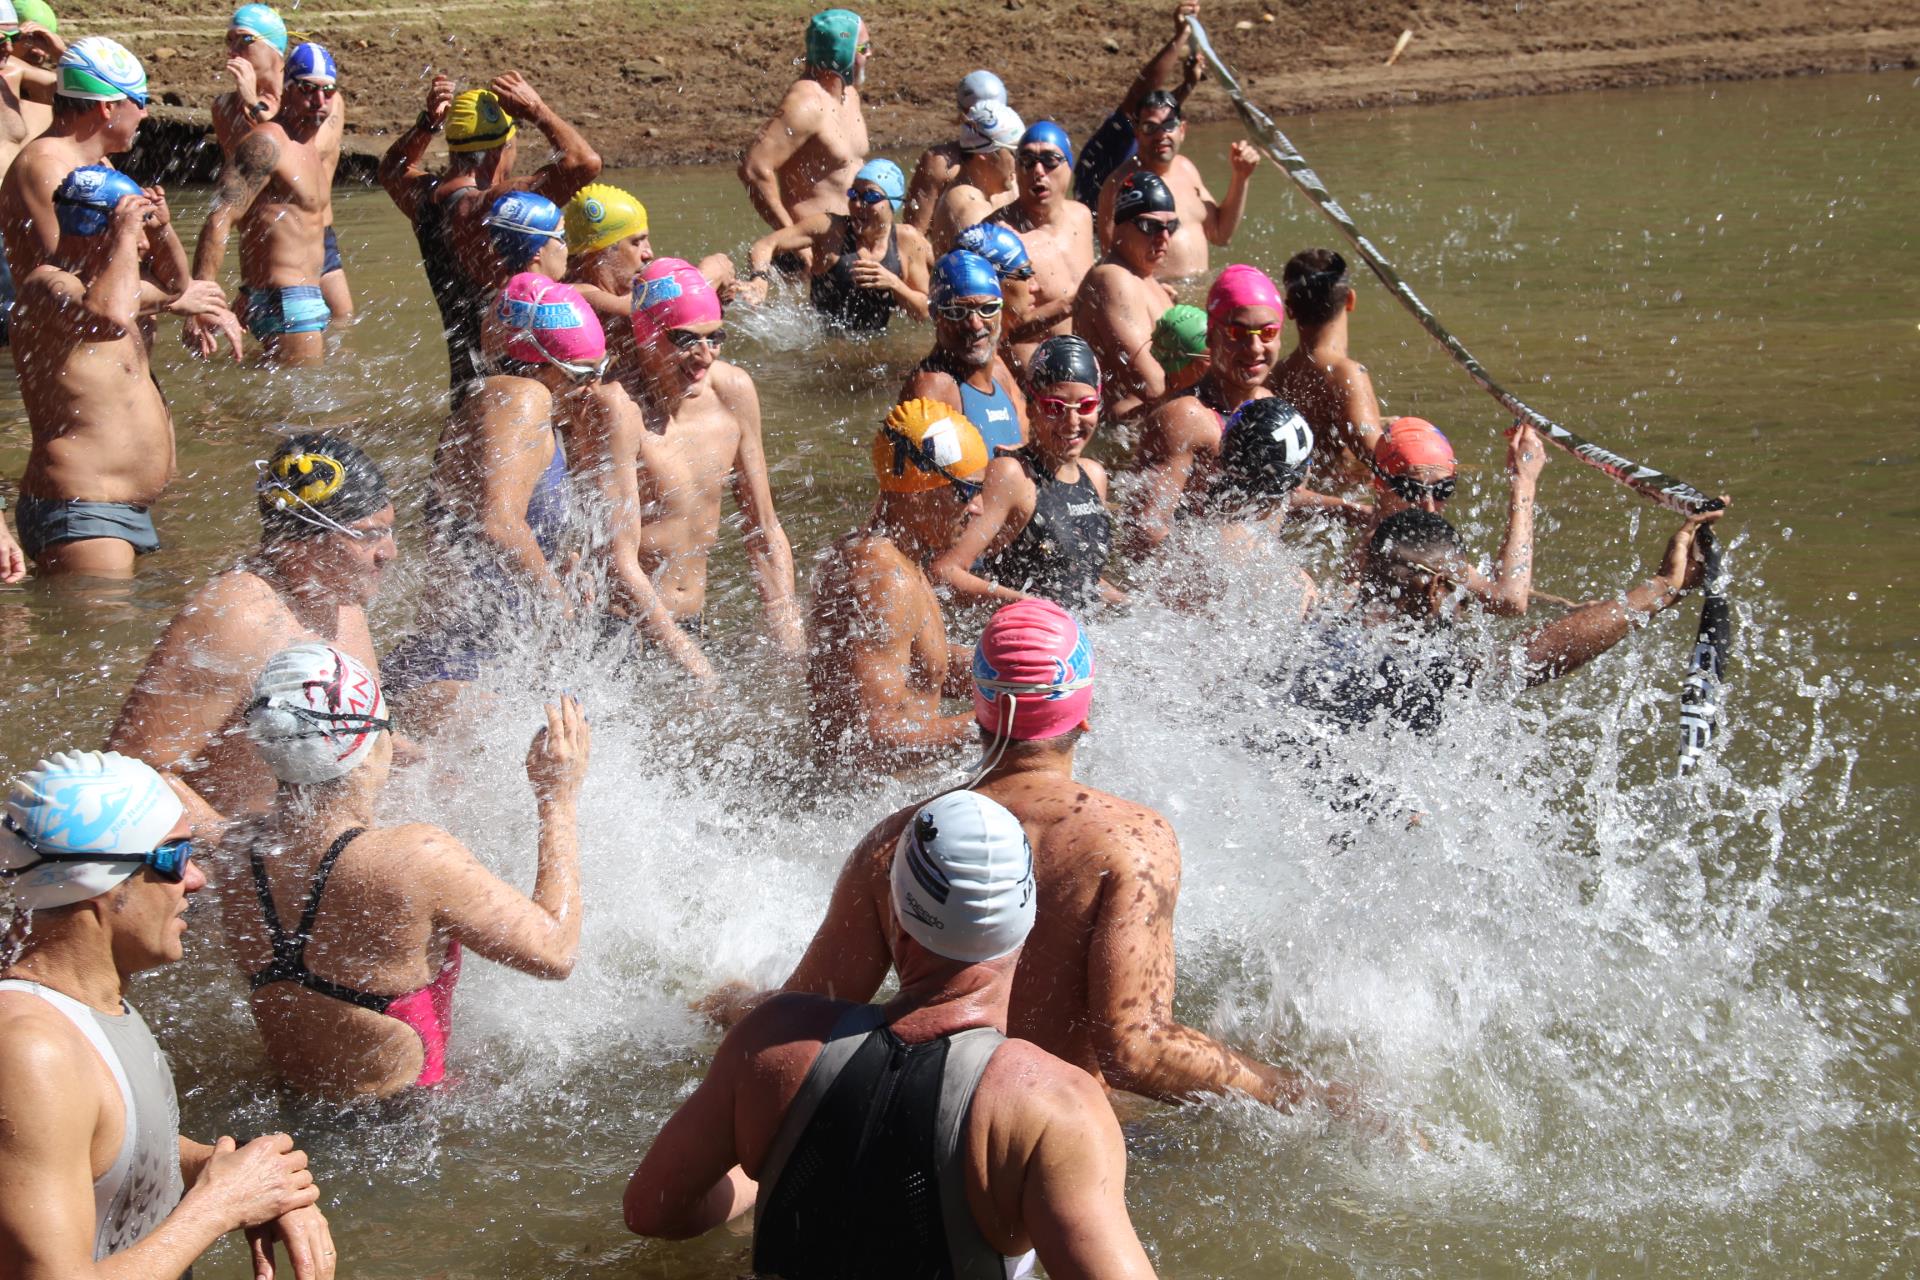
(979, 86)
(316, 713)
(963, 878)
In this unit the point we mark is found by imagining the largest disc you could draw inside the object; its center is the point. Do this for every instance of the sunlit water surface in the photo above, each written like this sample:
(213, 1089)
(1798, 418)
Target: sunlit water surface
(1650, 1027)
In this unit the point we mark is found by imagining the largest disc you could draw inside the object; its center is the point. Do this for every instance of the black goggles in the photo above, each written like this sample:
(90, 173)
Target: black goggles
(326, 724)
(1410, 490)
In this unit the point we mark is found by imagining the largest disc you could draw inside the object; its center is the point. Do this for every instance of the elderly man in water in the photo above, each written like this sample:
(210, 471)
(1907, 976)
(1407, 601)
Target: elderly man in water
(1057, 231)
(326, 538)
(804, 157)
(1201, 220)
(964, 369)
(1121, 300)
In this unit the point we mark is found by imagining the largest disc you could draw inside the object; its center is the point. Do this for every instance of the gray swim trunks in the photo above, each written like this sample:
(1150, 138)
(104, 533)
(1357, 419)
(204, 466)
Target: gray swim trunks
(45, 522)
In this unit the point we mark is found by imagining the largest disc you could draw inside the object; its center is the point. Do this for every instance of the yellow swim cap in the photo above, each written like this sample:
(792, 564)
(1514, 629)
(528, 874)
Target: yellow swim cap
(477, 122)
(925, 444)
(599, 215)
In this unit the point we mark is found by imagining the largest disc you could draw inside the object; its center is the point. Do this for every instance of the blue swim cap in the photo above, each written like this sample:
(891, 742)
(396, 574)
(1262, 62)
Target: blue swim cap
(997, 245)
(312, 62)
(964, 275)
(263, 22)
(1048, 134)
(886, 175)
(521, 223)
(85, 198)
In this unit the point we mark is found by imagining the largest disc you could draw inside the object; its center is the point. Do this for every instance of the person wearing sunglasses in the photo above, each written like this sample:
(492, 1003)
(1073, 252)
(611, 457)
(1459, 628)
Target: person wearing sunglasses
(878, 661)
(1043, 528)
(1200, 220)
(985, 183)
(326, 539)
(701, 443)
(1332, 388)
(273, 186)
(803, 159)
(1414, 469)
(350, 935)
(1121, 300)
(965, 369)
(256, 47)
(1112, 144)
(864, 263)
(1056, 230)
(98, 859)
(939, 165)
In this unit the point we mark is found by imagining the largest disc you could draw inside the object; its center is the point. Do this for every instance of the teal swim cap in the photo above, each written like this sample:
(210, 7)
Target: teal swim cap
(833, 40)
(263, 22)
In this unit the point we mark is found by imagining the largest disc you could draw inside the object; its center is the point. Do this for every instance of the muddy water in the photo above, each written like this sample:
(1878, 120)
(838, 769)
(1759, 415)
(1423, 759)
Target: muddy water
(1649, 1028)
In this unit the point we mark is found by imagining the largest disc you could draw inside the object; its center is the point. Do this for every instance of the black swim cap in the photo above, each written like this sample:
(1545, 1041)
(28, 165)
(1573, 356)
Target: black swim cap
(1142, 192)
(1412, 534)
(1155, 100)
(317, 483)
(1065, 358)
(1266, 450)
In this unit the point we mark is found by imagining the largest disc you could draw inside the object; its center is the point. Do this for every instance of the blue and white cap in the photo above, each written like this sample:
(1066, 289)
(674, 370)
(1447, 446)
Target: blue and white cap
(312, 63)
(84, 201)
(521, 223)
(962, 878)
(101, 70)
(998, 245)
(991, 126)
(960, 274)
(82, 802)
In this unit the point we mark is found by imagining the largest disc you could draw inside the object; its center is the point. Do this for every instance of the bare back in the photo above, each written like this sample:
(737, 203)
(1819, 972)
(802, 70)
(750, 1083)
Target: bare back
(1335, 394)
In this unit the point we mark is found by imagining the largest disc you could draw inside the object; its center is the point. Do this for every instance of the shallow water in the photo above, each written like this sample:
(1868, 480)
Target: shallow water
(1650, 1027)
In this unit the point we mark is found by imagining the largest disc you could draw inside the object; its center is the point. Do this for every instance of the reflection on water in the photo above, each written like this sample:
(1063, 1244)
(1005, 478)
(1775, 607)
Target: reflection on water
(1649, 1026)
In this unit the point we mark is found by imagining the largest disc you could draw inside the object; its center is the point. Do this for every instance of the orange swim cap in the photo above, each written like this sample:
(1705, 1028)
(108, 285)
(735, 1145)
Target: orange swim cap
(1410, 443)
(925, 444)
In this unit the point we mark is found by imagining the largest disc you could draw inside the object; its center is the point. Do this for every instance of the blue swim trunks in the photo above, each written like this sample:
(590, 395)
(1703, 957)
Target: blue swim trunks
(295, 308)
(46, 522)
(332, 262)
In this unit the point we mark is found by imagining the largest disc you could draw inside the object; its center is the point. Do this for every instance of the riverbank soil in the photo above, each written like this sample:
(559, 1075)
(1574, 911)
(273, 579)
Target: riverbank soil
(657, 82)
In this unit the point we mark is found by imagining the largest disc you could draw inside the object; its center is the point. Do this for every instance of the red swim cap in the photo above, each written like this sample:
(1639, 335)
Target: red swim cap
(1032, 672)
(1410, 443)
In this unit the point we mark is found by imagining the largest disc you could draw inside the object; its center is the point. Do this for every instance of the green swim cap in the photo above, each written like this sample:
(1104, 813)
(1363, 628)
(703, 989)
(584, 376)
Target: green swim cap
(1180, 338)
(833, 39)
(37, 11)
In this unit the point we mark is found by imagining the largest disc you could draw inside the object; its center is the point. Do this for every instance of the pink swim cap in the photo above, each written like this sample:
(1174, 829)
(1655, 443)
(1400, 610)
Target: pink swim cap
(1242, 286)
(671, 294)
(550, 323)
(1032, 672)
(1409, 443)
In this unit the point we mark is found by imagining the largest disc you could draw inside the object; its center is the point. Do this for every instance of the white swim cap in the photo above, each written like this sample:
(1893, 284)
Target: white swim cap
(991, 126)
(963, 878)
(979, 86)
(316, 713)
(82, 802)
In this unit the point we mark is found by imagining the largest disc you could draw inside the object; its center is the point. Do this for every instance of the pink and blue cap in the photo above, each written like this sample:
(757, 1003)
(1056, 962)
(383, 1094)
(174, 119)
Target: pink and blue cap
(671, 294)
(550, 323)
(1032, 672)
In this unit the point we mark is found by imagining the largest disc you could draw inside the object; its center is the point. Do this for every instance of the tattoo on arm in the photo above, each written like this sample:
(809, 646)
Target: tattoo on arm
(254, 161)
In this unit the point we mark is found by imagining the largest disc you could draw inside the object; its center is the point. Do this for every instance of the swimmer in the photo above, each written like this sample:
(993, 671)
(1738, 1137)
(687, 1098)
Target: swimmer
(100, 98)
(1043, 529)
(803, 159)
(1113, 143)
(326, 537)
(701, 439)
(940, 164)
(985, 181)
(1414, 467)
(446, 208)
(1266, 451)
(1057, 231)
(1121, 300)
(274, 183)
(1007, 254)
(865, 262)
(257, 45)
(103, 445)
(1179, 441)
(1180, 347)
(29, 52)
(964, 369)
(98, 857)
(880, 662)
(350, 935)
(1096, 988)
(1200, 220)
(609, 243)
(1332, 388)
(911, 1138)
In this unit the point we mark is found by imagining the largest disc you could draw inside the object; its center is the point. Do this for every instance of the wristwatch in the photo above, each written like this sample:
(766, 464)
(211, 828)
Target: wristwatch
(426, 124)
(759, 273)
(260, 110)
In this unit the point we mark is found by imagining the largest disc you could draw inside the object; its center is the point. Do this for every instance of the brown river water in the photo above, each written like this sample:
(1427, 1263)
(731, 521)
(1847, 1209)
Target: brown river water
(1650, 1027)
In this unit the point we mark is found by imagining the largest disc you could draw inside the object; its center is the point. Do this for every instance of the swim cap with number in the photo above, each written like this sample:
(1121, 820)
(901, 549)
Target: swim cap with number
(316, 714)
(962, 878)
(84, 201)
(81, 802)
(477, 122)
(924, 445)
(1266, 449)
(600, 215)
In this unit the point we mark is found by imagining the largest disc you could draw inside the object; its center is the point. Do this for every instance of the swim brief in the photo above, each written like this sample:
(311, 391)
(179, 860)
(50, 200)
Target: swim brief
(294, 308)
(47, 522)
(332, 261)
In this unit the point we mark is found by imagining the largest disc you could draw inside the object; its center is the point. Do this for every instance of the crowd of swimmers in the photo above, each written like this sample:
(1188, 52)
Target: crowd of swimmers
(593, 432)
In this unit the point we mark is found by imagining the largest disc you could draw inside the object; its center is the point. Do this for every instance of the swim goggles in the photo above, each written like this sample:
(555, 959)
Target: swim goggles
(1054, 406)
(1241, 332)
(1047, 160)
(326, 724)
(867, 195)
(1411, 490)
(959, 311)
(168, 859)
(687, 339)
(1157, 226)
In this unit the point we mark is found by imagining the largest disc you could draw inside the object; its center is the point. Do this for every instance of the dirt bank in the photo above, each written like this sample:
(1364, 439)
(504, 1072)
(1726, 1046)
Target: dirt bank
(678, 81)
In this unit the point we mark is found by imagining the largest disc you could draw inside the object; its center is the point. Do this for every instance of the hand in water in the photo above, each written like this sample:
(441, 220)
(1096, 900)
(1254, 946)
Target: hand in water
(557, 760)
(1244, 157)
(259, 1182)
(1526, 452)
(517, 95)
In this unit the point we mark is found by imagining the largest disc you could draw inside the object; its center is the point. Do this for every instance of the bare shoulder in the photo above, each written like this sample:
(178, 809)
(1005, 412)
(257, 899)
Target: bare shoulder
(239, 606)
(931, 384)
(1037, 1090)
(38, 1043)
(806, 102)
(734, 385)
(911, 238)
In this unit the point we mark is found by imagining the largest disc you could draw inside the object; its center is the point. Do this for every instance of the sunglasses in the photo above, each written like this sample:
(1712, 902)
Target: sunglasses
(1241, 332)
(867, 195)
(1152, 127)
(318, 90)
(168, 860)
(1054, 406)
(957, 312)
(687, 339)
(1157, 226)
(1047, 160)
(864, 49)
(1411, 490)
